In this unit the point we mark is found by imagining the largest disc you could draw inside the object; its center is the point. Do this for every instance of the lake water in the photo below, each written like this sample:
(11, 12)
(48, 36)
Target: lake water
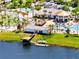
(17, 51)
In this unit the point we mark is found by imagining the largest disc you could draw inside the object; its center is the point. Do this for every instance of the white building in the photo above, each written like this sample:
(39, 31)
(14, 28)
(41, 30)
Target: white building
(36, 29)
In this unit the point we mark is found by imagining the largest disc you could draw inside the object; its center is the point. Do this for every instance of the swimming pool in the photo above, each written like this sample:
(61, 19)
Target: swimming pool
(74, 27)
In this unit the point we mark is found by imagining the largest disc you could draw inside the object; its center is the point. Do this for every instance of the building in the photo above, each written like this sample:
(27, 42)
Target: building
(36, 29)
(62, 16)
(44, 29)
(40, 22)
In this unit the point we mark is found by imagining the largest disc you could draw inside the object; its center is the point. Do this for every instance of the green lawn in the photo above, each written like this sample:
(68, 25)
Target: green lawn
(55, 39)
(11, 36)
(59, 39)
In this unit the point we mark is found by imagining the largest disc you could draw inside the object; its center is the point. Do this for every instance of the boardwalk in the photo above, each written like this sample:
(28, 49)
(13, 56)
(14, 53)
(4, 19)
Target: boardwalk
(26, 40)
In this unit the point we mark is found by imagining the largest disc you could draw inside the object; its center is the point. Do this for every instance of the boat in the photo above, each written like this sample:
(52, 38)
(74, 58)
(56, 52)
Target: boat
(41, 43)
(44, 45)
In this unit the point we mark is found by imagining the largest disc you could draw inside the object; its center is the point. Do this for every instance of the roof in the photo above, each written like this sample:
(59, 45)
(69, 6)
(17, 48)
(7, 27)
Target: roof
(23, 13)
(7, 0)
(40, 22)
(62, 13)
(33, 27)
(49, 23)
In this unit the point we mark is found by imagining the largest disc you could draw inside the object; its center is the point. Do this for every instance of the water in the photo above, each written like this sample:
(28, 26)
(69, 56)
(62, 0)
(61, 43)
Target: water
(71, 27)
(75, 27)
(17, 51)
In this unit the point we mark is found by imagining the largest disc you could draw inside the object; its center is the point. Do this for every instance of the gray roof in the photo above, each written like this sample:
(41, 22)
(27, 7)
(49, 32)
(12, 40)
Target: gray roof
(33, 27)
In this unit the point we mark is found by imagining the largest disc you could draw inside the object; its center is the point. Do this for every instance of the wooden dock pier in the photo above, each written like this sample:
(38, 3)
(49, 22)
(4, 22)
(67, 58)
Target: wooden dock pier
(26, 40)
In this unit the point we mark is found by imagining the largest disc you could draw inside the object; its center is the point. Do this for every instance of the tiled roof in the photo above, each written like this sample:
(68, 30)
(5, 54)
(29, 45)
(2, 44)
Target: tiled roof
(62, 13)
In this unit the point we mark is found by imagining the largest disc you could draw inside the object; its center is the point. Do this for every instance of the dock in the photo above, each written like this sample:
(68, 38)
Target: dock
(26, 40)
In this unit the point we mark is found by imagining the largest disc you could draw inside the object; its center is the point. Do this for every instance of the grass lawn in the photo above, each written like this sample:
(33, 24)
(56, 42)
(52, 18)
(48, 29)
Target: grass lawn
(55, 39)
(11, 36)
(59, 39)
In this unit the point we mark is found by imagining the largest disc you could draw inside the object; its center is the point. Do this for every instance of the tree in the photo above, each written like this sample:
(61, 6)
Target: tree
(66, 8)
(76, 3)
(50, 27)
(1, 23)
(19, 4)
(75, 12)
(59, 1)
(1, 1)
(19, 27)
(67, 32)
(37, 7)
(24, 23)
(50, 13)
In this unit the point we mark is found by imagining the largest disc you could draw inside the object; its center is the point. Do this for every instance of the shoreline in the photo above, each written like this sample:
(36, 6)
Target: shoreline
(52, 40)
(64, 46)
(49, 45)
(55, 45)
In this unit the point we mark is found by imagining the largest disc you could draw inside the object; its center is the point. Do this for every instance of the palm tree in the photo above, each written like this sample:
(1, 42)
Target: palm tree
(1, 23)
(67, 32)
(45, 11)
(50, 27)
(66, 8)
(20, 4)
(37, 8)
(24, 23)
(50, 13)
(19, 27)
(9, 20)
(76, 3)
